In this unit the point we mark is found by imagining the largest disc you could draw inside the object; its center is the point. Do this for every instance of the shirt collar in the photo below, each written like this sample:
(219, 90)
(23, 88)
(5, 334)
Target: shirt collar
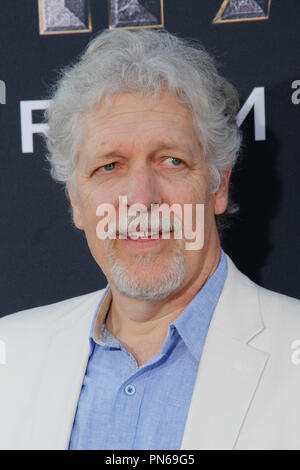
(101, 312)
(192, 324)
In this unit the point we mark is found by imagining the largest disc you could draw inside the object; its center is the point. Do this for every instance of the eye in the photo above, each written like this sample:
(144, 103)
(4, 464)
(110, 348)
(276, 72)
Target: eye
(109, 167)
(174, 161)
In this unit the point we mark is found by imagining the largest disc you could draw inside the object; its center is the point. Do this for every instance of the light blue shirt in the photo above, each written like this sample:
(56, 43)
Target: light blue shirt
(126, 407)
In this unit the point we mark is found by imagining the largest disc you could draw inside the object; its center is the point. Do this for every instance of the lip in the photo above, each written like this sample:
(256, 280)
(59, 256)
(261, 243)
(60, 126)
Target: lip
(144, 243)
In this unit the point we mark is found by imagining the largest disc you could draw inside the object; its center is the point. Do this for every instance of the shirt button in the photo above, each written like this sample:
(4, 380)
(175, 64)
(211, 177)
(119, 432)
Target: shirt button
(130, 389)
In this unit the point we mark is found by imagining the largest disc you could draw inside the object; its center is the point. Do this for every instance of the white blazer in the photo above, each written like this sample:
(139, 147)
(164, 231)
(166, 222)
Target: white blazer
(246, 394)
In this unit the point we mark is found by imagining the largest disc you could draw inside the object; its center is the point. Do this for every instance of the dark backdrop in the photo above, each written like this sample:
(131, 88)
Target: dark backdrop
(43, 258)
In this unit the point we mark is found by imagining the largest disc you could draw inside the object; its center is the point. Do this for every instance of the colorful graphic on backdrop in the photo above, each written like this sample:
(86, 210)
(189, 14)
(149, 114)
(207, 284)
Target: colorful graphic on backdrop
(243, 10)
(132, 14)
(64, 16)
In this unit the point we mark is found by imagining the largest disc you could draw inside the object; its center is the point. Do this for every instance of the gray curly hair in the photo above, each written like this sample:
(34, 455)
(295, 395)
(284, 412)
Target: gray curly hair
(148, 62)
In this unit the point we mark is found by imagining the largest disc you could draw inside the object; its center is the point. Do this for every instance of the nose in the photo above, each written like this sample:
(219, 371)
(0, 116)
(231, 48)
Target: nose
(143, 186)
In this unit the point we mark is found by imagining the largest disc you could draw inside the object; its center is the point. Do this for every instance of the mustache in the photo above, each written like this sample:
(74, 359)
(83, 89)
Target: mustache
(146, 222)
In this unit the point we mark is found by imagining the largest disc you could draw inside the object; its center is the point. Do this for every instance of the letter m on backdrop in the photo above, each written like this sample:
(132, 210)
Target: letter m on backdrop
(256, 101)
(2, 353)
(2, 92)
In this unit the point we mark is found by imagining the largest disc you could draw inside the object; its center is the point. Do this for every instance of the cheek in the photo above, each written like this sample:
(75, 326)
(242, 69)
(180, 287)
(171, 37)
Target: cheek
(188, 192)
(194, 187)
(91, 199)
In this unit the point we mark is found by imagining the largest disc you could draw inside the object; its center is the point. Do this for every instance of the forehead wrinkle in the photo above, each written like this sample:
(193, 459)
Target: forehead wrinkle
(152, 116)
(150, 131)
(136, 111)
(97, 127)
(140, 103)
(124, 106)
(167, 138)
(107, 120)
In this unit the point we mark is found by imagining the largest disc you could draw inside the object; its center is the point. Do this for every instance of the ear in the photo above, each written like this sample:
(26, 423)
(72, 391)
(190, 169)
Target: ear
(221, 196)
(76, 208)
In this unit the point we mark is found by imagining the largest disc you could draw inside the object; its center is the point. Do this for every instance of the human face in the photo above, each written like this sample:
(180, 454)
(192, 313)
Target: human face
(148, 151)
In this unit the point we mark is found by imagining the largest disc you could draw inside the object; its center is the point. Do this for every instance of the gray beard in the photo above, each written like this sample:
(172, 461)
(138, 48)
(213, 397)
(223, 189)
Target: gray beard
(155, 287)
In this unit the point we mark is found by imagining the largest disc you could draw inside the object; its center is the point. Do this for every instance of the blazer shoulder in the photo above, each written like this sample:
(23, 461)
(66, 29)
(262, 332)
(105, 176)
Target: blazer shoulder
(250, 307)
(270, 301)
(279, 308)
(48, 314)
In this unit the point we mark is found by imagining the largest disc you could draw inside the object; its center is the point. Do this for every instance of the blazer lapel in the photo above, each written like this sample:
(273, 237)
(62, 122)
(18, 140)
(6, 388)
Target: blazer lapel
(63, 371)
(229, 370)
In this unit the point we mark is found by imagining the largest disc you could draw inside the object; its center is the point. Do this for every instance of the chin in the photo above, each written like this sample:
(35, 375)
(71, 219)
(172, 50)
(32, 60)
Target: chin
(147, 276)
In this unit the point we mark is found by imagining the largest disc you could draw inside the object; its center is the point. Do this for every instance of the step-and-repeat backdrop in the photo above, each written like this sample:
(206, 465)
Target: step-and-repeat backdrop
(43, 258)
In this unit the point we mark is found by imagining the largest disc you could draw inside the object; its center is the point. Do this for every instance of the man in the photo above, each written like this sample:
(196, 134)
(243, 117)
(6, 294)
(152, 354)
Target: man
(180, 350)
